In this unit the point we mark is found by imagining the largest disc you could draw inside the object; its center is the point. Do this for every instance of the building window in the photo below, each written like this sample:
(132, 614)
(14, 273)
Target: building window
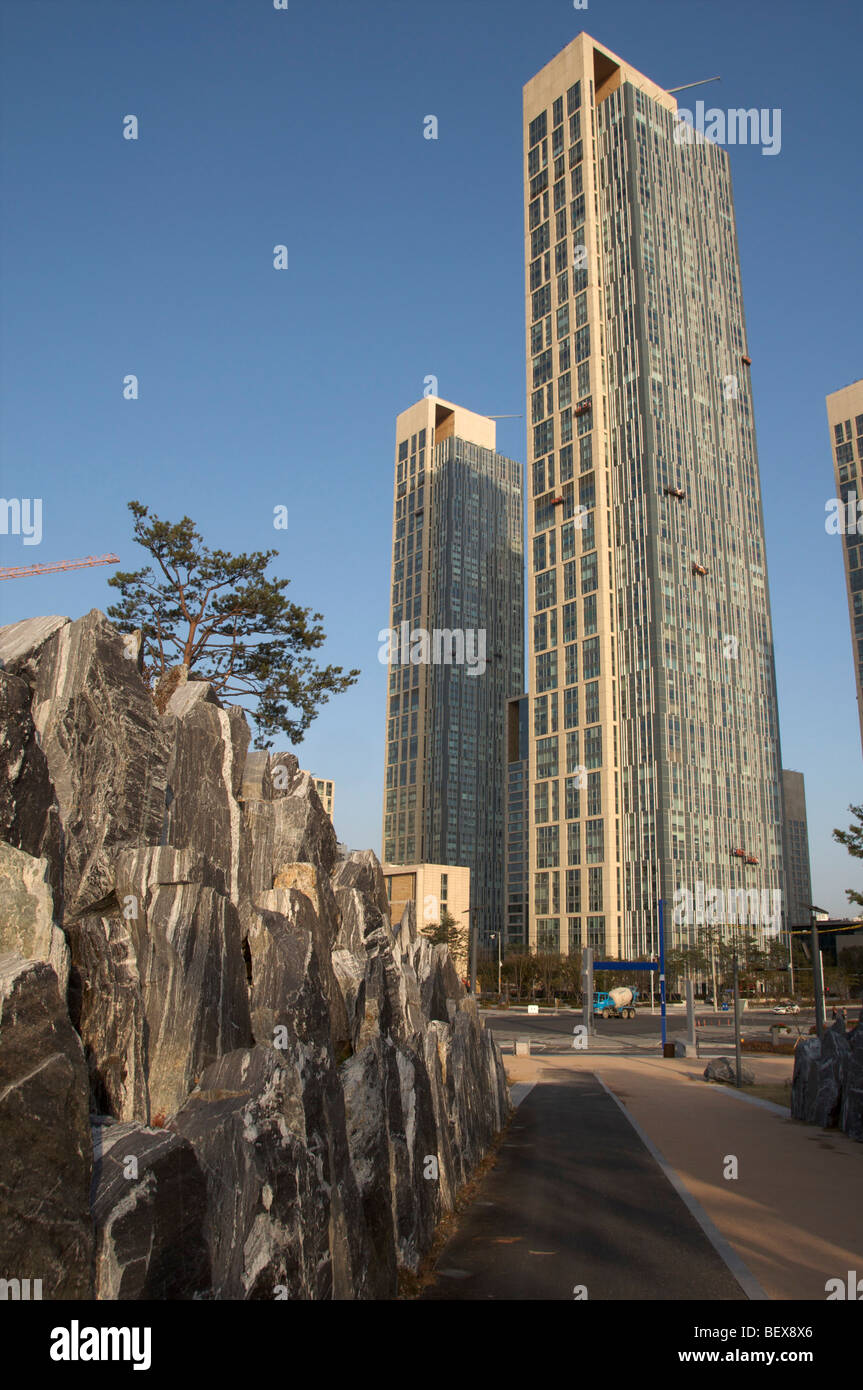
(591, 702)
(594, 841)
(538, 129)
(573, 890)
(547, 847)
(590, 657)
(571, 664)
(548, 935)
(593, 747)
(572, 752)
(596, 933)
(590, 612)
(573, 842)
(546, 672)
(546, 757)
(546, 589)
(570, 708)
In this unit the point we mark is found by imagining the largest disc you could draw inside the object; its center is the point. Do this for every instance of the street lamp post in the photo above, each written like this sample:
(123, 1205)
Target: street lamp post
(738, 1060)
(817, 975)
(498, 934)
(471, 926)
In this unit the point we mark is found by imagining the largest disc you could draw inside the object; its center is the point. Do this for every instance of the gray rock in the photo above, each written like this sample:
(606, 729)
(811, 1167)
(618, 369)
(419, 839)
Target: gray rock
(369, 1140)
(832, 1068)
(167, 683)
(291, 829)
(189, 954)
(257, 782)
(362, 871)
(133, 646)
(284, 1218)
(106, 752)
(292, 972)
(851, 1118)
(21, 643)
(149, 1207)
(284, 772)
(106, 1005)
(46, 1231)
(27, 913)
(804, 1082)
(188, 694)
(204, 779)
(413, 1138)
(724, 1070)
(205, 893)
(29, 815)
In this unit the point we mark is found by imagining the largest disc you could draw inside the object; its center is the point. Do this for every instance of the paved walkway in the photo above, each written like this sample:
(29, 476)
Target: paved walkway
(581, 1197)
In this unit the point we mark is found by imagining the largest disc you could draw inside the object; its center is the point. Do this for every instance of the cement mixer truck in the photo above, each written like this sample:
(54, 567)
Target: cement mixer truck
(615, 1003)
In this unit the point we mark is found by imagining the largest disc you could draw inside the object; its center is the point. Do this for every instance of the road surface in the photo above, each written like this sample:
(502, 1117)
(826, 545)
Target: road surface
(577, 1206)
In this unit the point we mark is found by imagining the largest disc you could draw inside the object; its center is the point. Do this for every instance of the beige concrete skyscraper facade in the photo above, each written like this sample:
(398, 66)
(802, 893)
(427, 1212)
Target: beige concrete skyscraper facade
(845, 418)
(455, 649)
(654, 744)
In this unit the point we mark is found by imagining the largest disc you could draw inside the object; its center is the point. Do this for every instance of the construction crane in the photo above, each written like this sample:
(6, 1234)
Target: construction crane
(702, 82)
(21, 572)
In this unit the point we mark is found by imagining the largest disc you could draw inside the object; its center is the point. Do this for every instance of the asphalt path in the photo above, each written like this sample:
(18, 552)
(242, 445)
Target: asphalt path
(577, 1206)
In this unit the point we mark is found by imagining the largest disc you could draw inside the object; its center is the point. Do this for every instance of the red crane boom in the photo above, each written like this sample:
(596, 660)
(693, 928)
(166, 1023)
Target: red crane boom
(22, 571)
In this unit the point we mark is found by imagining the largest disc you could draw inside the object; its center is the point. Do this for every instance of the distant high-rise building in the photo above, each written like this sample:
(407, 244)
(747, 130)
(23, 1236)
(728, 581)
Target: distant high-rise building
(845, 416)
(515, 932)
(654, 760)
(326, 791)
(798, 879)
(455, 646)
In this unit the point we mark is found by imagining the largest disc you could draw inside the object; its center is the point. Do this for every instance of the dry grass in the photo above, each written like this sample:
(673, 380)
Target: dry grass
(411, 1285)
(779, 1092)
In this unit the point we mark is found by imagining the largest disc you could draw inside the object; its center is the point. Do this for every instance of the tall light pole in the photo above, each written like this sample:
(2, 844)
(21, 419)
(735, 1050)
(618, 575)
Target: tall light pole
(738, 1060)
(471, 927)
(816, 970)
(499, 961)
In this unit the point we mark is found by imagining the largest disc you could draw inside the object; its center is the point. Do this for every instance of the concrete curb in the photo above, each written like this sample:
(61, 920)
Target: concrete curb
(783, 1110)
(520, 1091)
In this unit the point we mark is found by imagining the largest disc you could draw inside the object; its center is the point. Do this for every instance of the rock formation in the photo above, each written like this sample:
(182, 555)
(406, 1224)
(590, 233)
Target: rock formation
(224, 1073)
(827, 1087)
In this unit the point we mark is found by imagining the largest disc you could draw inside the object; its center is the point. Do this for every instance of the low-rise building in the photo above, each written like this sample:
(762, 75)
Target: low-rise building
(433, 889)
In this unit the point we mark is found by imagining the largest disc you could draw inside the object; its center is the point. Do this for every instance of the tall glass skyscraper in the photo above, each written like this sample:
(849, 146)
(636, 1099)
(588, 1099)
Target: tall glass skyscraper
(654, 759)
(845, 416)
(456, 647)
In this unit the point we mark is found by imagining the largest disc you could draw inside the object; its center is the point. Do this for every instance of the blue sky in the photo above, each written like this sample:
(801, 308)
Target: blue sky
(261, 388)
